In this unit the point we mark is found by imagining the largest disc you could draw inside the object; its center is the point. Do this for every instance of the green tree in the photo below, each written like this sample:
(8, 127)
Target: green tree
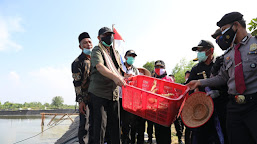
(253, 26)
(7, 105)
(179, 70)
(57, 101)
(47, 105)
(149, 66)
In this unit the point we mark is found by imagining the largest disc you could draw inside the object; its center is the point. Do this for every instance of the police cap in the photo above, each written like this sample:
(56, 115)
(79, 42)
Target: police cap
(203, 44)
(130, 52)
(159, 63)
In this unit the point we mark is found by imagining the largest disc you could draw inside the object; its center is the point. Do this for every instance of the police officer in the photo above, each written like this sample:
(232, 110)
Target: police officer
(207, 132)
(239, 73)
(128, 120)
(80, 73)
(221, 101)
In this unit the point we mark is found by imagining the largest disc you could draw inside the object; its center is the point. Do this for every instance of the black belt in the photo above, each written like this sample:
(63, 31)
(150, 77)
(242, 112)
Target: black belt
(243, 99)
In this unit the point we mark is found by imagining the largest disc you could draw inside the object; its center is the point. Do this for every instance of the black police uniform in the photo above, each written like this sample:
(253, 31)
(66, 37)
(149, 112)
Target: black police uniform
(206, 133)
(220, 103)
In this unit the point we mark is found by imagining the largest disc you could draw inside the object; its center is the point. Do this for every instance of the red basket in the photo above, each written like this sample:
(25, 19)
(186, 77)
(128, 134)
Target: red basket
(138, 99)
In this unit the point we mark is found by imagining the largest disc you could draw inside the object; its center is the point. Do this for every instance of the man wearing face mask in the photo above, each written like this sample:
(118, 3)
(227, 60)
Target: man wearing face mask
(207, 132)
(220, 102)
(128, 120)
(106, 70)
(162, 133)
(239, 73)
(80, 73)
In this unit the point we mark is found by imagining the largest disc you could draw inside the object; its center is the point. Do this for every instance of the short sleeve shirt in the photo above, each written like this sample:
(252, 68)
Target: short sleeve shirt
(100, 85)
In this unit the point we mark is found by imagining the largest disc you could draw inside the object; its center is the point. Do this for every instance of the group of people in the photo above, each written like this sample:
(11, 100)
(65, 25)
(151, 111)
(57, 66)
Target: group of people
(99, 74)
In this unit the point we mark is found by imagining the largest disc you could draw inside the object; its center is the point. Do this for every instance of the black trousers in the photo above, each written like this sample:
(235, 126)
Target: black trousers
(162, 134)
(220, 105)
(104, 112)
(83, 133)
(129, 123)
(242, 122)
(205, 134)
(188, 135)
(179, 126)
(140, 130)
(150, 129)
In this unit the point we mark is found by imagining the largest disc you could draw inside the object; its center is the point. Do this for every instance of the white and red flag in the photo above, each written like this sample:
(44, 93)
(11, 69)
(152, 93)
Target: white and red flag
(118, 43)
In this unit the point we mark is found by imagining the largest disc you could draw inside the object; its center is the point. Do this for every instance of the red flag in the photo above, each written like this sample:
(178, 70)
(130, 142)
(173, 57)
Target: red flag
(117, 36)
(118, 43)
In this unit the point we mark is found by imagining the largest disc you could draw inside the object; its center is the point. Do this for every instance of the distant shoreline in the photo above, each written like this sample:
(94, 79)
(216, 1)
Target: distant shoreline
(35, 112)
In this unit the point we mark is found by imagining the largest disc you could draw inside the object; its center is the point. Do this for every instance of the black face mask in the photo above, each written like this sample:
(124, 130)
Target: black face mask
(226, 39)
(107, 40)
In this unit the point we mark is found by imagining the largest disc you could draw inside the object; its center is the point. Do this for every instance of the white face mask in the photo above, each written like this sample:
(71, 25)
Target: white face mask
(162, 71)
(87, 51)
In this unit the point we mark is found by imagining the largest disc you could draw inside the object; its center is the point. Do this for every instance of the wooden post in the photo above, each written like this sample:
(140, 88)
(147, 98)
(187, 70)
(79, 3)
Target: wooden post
(43, 118)
(70, 118)
(51, 120)
(55, 114)
(60, 118)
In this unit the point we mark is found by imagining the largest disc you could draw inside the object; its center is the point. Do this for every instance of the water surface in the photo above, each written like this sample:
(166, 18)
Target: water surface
(17, 128)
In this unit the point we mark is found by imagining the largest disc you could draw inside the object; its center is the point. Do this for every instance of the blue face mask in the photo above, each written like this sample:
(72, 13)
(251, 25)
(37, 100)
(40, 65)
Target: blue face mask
(130, 60)
(201, 56)
(87, 51)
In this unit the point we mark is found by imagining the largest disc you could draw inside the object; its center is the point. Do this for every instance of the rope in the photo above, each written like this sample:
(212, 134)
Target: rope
(43, 130)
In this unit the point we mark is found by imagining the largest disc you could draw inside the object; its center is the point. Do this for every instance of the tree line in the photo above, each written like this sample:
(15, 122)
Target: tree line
(57, 103)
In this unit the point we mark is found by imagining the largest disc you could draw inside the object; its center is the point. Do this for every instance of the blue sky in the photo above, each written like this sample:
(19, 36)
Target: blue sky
(39, 39)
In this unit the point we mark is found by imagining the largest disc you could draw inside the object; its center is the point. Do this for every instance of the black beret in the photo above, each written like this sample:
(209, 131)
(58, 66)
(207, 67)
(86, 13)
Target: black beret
(83, 35)
(229, 18)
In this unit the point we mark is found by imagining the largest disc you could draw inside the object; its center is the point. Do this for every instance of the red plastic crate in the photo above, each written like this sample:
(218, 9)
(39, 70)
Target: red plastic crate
(137, 99)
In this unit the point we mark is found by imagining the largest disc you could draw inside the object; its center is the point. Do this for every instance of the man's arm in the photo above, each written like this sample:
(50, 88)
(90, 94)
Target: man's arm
(97, 62)
(109, 74)
(77, 79)
(215, 81)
